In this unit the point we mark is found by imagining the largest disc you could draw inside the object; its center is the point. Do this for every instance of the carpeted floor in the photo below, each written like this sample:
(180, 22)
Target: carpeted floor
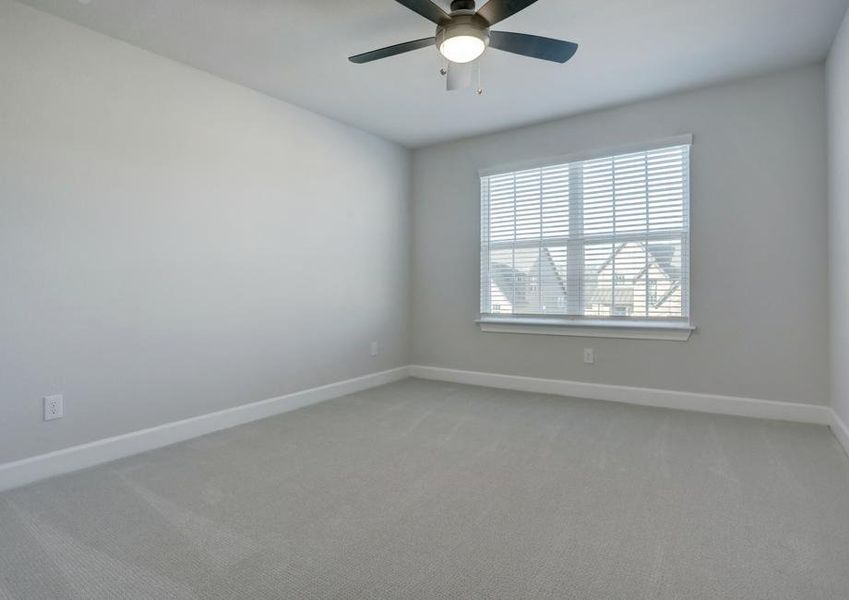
(430, 490)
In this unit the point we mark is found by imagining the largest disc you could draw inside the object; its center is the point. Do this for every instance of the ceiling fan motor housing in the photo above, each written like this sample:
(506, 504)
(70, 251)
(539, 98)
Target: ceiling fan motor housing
(462, 5)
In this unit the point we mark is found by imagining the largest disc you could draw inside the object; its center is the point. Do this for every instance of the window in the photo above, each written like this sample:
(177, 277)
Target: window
(603, 239)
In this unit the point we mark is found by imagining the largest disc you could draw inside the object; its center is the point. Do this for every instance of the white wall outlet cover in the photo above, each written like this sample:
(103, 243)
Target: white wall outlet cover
(589, 356)
(54, 407)
(375, 348)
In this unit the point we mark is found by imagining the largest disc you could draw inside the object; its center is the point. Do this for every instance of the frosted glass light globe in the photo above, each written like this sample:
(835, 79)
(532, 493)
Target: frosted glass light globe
(462, 48)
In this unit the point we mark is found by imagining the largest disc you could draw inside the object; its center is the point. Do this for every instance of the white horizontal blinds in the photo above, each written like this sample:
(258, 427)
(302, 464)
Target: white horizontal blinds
(524, 254)
(635, 235)
(601, 238)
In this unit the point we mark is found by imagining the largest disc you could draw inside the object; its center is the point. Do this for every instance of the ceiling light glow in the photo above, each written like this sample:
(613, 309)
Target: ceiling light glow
(462, 48)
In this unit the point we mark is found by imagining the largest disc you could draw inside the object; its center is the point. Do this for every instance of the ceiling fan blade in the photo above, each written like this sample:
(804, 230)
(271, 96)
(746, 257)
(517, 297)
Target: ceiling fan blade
(498, 10)
(366, 57)
(427, 9)
(533, 45)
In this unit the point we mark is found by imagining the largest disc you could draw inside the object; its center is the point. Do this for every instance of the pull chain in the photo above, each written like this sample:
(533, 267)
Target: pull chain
(480, 87)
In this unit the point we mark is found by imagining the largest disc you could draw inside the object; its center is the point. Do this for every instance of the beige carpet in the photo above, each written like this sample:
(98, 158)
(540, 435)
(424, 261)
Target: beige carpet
(430, 490)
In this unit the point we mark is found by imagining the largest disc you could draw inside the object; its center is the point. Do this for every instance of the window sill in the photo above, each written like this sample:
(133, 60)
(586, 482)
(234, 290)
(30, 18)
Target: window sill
(666, 331)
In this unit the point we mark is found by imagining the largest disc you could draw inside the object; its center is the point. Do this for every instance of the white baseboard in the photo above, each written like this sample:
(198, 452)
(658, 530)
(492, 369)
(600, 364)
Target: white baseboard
(28, 470)
(708, 403)
(840, 430)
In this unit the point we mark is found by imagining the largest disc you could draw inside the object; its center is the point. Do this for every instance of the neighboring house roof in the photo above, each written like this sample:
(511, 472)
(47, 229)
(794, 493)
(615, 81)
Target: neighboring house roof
(661, 255)
(499, 300)
(604, 294)
(668, 294)
(504, 276)
(664, 257)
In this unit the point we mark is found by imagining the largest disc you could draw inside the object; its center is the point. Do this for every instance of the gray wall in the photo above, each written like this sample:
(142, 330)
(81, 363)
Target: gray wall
(838, 126)
(172, 244)
(759, 252)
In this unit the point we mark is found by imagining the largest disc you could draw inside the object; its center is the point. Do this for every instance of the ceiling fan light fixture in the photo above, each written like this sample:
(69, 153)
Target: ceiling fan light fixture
(464, 39)
(462, 48)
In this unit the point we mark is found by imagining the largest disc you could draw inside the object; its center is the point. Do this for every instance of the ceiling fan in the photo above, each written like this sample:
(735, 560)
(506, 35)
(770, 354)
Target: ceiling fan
(463, 35)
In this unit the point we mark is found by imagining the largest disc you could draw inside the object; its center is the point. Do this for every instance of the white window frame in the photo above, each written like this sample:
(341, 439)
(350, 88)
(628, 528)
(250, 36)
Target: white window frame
(608, 327)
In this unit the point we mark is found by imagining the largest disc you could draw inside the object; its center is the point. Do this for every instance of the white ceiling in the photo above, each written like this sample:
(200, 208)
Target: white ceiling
(297, 50)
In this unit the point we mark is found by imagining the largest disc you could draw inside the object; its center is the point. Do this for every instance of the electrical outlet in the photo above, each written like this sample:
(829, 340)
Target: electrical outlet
(589, 356)
(375, 348)
(54, 407)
